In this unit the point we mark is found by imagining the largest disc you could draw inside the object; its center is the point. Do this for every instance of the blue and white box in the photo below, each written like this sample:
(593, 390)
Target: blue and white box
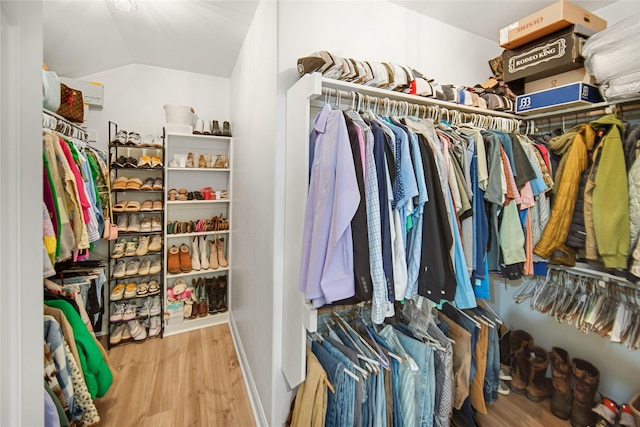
(571, 95)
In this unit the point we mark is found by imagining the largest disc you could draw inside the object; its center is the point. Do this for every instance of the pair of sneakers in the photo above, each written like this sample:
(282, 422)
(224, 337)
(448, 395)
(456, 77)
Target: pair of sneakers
(131, 268)
(129, 223)
(123, 312)
(123, 332)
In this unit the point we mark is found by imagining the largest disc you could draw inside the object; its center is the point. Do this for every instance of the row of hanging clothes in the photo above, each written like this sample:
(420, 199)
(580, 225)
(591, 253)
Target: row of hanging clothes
(76, 193)
(425, 369)
(416, 202)
(77, 369)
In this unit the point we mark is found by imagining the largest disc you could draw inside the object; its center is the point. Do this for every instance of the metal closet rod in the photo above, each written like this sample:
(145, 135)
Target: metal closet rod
(59, 117)
(385, 105)
(592, 110)
(600, 275)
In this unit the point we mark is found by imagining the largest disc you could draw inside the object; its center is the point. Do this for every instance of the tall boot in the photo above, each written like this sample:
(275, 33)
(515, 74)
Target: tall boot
(520, 342)
(586, 379)
(212, 294)
(538, 387)
(222, 293)
(195, 254)
(562, 398)
(204, 258)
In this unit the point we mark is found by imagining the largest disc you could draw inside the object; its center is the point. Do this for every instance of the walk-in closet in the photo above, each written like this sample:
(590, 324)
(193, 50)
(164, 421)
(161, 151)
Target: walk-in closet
(309, 213)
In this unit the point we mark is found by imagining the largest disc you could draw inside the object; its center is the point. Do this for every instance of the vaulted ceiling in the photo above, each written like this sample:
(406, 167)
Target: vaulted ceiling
(82, 37)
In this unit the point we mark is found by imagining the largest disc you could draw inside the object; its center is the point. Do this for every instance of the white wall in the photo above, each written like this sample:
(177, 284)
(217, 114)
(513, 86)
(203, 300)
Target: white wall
(381, 31)
(619, 10)
(21, 351)
(134, 96)
(253, 296)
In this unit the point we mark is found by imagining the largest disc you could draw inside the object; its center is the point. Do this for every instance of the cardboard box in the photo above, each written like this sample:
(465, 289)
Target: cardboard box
(546, 21)
(553, 54)
(573, 76)
(566, 96)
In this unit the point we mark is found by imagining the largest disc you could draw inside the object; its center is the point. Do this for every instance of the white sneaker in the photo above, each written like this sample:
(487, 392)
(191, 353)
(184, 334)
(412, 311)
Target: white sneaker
(145, 265)
(154, 326)
(143, 310)
(115, 336)
(156, 225)
(119, 269)
(154, 310)
(117, 312)
(129, 312)
(156, 266)
(132, 267)
(503, 388)
(504, 375)
(131, 248)
(143, 247)
(154, 288)
(145, 225)
(123, 223)
(118, 249)
(134, 224)
(138, 332)
(156, 243)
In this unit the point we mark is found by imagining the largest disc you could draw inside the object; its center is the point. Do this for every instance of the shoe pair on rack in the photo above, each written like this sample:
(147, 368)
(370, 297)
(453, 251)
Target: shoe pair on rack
(205, 127)
(131, 139)
(179, 259)
(216, 288)
(216, 257)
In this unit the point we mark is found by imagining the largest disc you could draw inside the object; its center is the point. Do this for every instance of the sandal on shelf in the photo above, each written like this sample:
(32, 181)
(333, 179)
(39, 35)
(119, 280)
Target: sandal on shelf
(119, 207)
(131, 162)
(157, 205)
(148, 184)
(207, 160)
(221, 162)
(190, 160)
(201, 162)
(132, 206)
(156, 163)
(120, 183)
(198, 195)
(147, 206)
(224, 194)
(173, 193)
(144, 162)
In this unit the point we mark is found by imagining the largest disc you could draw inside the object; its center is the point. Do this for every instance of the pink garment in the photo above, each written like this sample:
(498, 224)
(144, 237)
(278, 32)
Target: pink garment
(84, 200)
(512, 188)
(528, 246)
(526, 195)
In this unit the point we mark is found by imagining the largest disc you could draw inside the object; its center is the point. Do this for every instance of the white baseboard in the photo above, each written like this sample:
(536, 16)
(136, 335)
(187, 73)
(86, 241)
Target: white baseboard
(252, 391)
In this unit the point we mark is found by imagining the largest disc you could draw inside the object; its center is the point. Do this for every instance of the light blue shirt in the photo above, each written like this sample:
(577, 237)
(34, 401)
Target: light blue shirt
(326, 270)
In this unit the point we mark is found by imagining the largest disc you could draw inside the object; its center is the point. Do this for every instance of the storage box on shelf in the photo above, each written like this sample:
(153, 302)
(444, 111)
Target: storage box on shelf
(198, 194)
(554, 54)
(547, 20)
(136, 272)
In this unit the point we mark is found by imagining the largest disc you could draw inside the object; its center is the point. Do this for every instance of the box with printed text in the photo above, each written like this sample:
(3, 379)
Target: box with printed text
(566, 96)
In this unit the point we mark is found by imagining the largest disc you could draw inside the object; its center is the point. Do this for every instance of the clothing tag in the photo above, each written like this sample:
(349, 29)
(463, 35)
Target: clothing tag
(504, 35)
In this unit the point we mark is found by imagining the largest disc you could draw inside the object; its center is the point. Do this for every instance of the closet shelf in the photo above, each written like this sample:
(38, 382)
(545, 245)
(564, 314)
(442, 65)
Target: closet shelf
(148, 254)
(399, 96)
(114, 167)
(194, 136)
(595, 110)
(137, 191)
(185, 202)
(199, 233)
(138, 147)
(196, 273)
(193, 324)
(127, 279)
(200, 169)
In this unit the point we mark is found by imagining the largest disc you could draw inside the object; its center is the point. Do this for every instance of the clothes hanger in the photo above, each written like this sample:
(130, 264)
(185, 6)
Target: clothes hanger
(363, 344)
(464, 314)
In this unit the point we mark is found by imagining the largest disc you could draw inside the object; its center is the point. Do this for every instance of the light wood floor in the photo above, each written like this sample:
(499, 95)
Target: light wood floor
(516, 410)
(190, 379)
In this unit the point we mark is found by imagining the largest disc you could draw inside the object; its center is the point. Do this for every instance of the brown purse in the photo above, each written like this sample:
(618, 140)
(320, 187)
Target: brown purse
(71, 104)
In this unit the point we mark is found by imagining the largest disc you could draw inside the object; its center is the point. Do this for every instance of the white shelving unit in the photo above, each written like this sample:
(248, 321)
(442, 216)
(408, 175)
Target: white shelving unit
(195, 179)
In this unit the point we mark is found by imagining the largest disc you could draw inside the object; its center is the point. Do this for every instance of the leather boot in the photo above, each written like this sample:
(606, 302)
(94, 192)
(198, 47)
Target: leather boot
(520, 342)
(215, 128)
(562, 398)
(538, 387)
(505, 347)
(222, 261)
(212, 294)
(222, 293)
(520, 371)
(226, 131)
(586, 379)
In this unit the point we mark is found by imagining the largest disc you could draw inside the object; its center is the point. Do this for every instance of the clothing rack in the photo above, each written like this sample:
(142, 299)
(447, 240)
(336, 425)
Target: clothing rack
(63, 126)
(451, 114)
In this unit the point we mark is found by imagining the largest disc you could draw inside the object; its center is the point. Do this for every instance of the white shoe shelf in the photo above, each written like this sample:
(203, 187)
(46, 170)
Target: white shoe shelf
(195, 179)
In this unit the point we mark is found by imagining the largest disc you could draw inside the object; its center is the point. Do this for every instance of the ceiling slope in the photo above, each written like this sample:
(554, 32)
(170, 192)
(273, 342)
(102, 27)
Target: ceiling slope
(82, 37)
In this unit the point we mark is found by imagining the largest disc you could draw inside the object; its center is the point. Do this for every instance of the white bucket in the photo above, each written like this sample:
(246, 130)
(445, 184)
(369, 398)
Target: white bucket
(178, 114)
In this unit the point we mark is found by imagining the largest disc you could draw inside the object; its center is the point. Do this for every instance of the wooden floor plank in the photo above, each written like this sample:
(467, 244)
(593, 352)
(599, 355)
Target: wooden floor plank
(190, 379)
(516, 410)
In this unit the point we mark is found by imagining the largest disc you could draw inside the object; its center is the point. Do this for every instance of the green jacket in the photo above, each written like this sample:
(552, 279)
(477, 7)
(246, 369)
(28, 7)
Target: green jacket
(611, 196)
(96, 372)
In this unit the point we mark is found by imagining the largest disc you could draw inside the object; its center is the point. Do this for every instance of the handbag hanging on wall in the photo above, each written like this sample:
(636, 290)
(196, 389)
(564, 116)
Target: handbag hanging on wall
(71, 104)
